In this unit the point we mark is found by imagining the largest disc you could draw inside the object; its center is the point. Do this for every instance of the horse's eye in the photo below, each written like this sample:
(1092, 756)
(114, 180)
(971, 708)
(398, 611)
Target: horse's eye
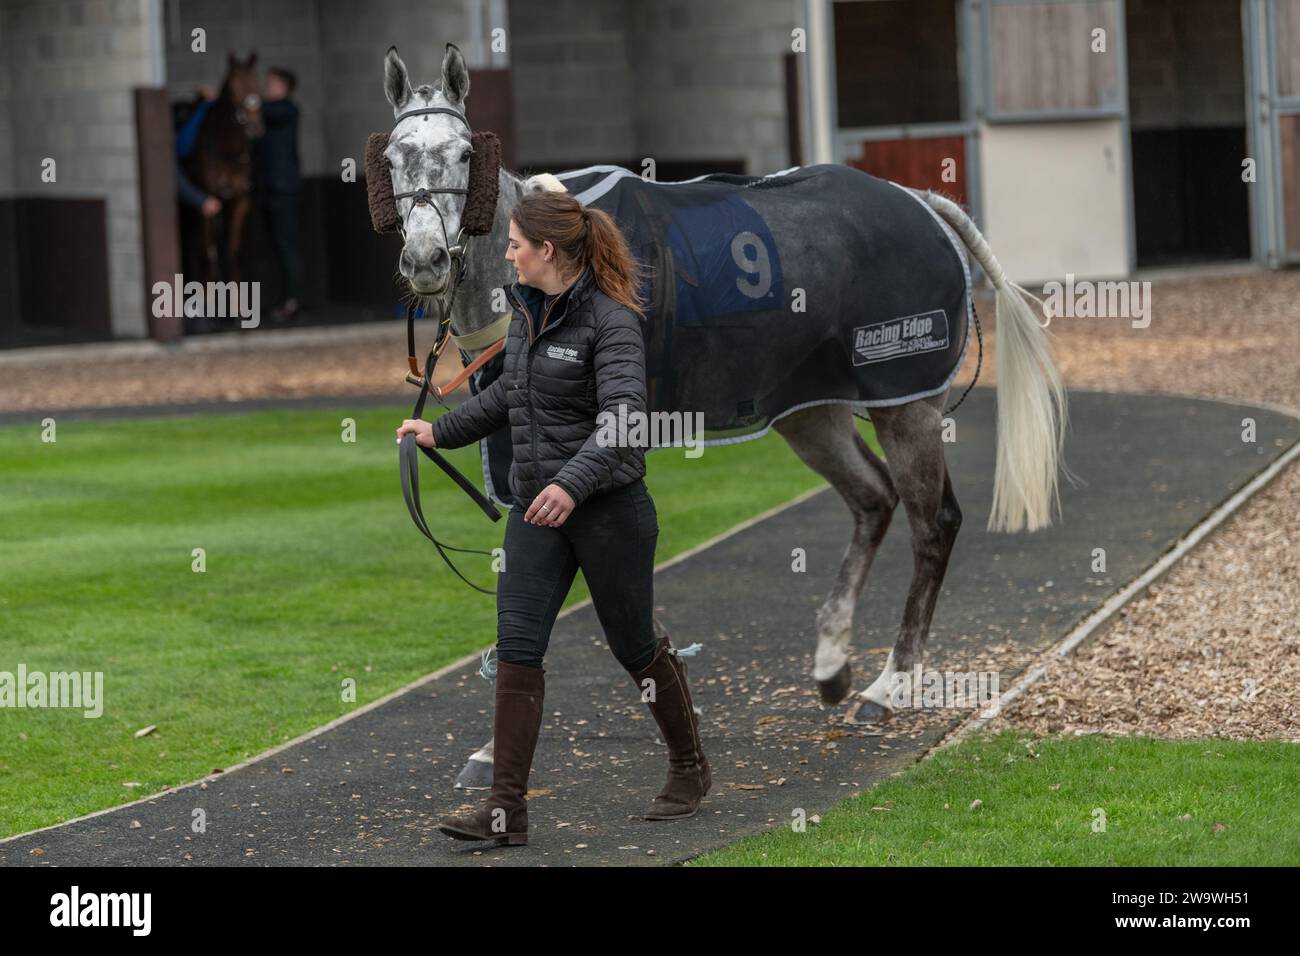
(464, 157)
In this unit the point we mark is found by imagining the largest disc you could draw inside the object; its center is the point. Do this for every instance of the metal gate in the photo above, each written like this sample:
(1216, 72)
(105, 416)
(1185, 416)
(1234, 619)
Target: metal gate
(1273, 67)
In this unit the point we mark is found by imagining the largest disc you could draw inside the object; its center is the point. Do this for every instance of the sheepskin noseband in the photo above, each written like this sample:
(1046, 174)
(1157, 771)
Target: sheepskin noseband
(480, 201)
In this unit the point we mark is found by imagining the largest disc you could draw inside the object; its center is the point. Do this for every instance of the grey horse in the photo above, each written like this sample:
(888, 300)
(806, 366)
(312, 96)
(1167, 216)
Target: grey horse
(1031, 417)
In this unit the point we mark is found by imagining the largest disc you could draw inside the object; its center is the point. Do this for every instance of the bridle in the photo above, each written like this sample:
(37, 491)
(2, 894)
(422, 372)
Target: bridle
(243, 110)
(443, 301)
(424, 196)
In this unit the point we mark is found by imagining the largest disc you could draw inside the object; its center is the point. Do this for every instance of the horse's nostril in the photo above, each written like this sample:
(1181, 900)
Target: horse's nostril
(404, 263)
(438, 256)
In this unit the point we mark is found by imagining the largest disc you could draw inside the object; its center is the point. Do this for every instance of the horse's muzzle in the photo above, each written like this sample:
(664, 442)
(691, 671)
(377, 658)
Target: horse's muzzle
(426, 274)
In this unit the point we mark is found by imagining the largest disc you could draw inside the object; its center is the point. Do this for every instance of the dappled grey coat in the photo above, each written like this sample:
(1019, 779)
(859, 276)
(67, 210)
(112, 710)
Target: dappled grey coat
(590, 358)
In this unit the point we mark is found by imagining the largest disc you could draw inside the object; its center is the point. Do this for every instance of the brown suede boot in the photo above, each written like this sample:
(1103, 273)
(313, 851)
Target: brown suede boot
(689, 777)
(503, 817)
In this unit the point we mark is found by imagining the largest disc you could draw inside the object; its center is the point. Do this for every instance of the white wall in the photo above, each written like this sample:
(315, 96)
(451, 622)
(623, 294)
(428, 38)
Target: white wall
(1054, 198)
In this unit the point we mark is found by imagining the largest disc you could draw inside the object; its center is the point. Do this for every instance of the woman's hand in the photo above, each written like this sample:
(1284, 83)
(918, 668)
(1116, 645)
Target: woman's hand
(551, 507)
(423, 431)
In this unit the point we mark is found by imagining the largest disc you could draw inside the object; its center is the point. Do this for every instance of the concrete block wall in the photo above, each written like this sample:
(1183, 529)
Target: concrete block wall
(667, 79)
(336, 48)
(592, 78)
(352, 53)
(72, 65)
(574, 82)
(6, 120)
(710, 79)
(284, 33)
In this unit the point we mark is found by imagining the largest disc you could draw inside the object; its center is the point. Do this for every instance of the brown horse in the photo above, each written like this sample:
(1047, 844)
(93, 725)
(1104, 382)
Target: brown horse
(222, 164)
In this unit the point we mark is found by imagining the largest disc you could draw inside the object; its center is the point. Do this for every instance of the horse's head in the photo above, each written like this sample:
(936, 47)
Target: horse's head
(241, 92)
(430, 151)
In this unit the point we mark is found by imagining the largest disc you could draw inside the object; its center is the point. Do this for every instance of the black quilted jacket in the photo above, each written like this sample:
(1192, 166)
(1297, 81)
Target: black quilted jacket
(589, 358)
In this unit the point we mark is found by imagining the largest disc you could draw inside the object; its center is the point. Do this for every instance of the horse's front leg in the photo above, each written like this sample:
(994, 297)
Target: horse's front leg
(238, 215)
(210, 259)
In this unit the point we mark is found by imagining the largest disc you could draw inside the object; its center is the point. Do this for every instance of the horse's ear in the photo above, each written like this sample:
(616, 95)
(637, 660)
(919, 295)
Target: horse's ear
(455, 75)
(252, 58)
(231, 59)
(397, 84)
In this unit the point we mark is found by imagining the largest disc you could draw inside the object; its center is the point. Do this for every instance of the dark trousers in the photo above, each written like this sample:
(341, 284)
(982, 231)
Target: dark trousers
(611, 536)
(280, 212)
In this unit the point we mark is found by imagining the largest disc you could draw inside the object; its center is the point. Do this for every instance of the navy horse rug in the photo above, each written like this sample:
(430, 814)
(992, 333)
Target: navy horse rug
(768, 294)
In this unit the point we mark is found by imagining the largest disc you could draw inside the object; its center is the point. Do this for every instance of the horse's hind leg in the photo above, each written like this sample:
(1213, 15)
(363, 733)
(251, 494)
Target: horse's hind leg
(911, 437)
(826, 438)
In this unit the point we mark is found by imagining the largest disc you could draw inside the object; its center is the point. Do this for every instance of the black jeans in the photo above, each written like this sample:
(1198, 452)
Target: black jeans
(612, 537)
(280, 213)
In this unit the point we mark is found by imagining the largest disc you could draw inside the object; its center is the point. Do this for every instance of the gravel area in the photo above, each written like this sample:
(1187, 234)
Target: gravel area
(1212, 651)
(1233, 336)
(370, 364)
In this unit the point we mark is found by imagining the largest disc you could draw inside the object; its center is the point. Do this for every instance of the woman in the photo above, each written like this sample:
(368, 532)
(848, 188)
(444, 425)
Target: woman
(573, 375)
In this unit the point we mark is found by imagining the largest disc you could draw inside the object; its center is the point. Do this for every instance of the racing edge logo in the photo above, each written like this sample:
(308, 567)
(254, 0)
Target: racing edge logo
(909, 335)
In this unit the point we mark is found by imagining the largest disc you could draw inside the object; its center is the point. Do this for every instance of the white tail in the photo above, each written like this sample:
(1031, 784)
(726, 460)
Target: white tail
(1031, 396)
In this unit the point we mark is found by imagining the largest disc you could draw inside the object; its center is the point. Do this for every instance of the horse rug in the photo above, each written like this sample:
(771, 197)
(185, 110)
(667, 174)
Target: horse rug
(767, 294)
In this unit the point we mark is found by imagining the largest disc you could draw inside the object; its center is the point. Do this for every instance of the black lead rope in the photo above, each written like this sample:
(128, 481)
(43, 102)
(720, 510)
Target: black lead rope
(408, 459)
(979, 362)
(409, 465)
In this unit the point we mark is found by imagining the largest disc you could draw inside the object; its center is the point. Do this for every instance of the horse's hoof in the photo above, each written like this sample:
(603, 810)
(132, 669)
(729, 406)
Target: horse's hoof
(836, 688)
(868, 712)
(477, 775)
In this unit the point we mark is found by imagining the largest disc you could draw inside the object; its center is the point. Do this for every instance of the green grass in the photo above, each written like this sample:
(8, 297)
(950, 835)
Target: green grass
(1163, 803)
(314, 574)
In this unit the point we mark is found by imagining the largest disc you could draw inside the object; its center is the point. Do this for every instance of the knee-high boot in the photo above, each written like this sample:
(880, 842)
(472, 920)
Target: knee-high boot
(503, 816)
(689, 776)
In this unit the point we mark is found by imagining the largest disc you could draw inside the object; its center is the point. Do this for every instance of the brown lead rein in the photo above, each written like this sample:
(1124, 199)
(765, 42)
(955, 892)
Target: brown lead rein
(439, 392)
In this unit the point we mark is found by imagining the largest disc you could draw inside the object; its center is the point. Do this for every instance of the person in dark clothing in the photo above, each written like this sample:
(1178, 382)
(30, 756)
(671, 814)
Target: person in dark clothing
(194, 197)
(188, 192)
(574, 358)
(277, 182)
